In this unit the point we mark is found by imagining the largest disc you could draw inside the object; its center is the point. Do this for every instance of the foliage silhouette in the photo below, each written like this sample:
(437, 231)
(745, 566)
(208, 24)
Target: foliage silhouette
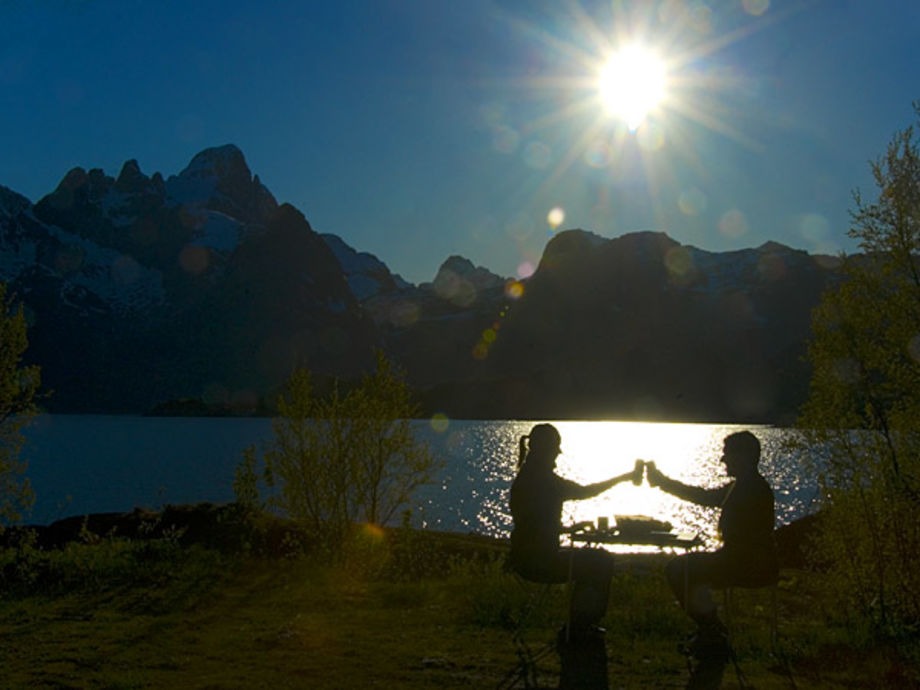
(18, 387)
(341, 459)
(864, 401)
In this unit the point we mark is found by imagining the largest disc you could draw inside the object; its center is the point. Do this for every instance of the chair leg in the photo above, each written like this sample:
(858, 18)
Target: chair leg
(727, 606)
(526, 670)
(774, 619)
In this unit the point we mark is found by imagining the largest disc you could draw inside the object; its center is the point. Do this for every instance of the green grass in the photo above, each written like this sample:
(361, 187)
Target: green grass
(194, 618)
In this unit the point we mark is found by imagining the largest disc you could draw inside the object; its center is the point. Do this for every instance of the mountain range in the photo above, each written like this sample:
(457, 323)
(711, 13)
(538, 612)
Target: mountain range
(142, 291)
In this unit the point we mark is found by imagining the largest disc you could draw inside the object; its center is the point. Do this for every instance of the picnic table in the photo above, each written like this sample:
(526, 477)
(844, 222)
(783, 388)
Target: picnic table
(587, 533)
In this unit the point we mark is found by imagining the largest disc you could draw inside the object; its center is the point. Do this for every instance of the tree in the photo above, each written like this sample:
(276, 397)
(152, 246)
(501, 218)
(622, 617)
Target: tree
(864, 400)
(18, 386)
(345, 458)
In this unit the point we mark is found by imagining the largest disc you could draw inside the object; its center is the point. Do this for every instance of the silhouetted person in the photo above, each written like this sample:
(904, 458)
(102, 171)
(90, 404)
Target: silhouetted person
(748, 554)
(537, 495)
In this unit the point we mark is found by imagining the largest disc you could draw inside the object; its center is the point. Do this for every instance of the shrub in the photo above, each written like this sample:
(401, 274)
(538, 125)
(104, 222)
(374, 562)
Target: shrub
(864, 401)
(18, 386)
(344, 459)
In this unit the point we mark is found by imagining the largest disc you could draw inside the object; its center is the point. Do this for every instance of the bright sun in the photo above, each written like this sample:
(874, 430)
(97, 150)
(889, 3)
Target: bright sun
(631, 84)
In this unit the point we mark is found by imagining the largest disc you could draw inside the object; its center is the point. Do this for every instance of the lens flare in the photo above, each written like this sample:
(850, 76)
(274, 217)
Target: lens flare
(679, 264)
(526, 269)
(617, 97)
(514, 289)
(505, 139)
(701, 18)
(555, 217)
(692, 202)
(814, 227)
(755, 7)
(733, 224)
(439, 422)
(373, 531)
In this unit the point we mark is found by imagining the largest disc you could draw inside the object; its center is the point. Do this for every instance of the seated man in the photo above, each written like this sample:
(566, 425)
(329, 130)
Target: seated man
(748, 555)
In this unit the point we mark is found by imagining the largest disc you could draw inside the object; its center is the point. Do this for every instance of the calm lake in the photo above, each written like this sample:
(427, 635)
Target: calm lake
(86, 463)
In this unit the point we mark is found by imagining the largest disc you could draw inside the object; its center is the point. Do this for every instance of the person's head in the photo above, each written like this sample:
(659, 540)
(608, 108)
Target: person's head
(541, 444)
(740, 453)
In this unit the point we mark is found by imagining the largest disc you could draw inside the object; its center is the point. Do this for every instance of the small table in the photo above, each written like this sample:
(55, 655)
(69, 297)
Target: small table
(662, 540)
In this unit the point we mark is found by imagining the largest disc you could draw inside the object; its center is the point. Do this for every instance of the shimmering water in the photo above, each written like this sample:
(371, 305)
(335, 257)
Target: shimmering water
(481, 463)
(86, 463)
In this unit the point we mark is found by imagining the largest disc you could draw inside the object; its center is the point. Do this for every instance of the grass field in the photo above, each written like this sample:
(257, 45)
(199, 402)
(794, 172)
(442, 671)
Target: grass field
(121, 615)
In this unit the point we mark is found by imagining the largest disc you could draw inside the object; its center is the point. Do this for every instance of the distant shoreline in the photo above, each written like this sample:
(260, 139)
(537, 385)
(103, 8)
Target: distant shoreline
(183, 409)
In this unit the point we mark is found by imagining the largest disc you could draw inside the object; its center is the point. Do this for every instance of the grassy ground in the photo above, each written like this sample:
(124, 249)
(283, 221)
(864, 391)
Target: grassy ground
(192, 618)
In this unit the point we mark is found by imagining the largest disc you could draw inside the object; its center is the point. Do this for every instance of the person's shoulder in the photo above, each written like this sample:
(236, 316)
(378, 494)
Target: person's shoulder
(752, 482)
(760, 484)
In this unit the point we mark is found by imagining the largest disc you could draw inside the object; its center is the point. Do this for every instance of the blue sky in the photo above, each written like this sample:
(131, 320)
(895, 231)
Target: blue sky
(417, 129)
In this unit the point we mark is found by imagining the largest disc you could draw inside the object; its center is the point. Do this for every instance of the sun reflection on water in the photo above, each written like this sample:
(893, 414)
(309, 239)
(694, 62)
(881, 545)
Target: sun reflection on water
(471, 493)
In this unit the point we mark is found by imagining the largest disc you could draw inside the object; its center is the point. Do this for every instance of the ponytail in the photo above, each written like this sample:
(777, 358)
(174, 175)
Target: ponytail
(522, 450)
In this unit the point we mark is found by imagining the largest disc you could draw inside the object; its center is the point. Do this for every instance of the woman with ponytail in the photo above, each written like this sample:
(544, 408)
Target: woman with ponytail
(537, 495)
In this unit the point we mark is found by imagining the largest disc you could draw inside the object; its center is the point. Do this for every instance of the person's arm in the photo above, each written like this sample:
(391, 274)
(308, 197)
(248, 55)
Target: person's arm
(579, 491)
(695, 494)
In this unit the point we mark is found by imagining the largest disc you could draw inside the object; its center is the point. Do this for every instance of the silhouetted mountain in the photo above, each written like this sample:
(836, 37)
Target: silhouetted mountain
(201, 286)
(641, 327)
(142, 290)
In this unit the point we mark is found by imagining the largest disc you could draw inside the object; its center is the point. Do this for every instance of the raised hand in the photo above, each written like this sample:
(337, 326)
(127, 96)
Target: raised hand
(638, 472)
(654, 476)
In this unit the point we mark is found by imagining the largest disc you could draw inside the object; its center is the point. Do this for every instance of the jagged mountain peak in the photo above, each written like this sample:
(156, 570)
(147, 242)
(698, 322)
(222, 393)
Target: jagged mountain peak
(132, 181)
(219, 179)
(218, 161)
(457, 266)
(75, 177)
(569, 240)
(130, 172)
(568, 246)
(460, 282)
(80, 186)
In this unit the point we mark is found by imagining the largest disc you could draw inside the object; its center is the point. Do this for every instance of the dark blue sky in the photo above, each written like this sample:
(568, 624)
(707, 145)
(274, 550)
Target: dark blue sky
(416, 129)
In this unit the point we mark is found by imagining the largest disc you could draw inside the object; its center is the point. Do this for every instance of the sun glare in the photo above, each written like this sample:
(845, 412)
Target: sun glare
(624, 92)
(632, 83)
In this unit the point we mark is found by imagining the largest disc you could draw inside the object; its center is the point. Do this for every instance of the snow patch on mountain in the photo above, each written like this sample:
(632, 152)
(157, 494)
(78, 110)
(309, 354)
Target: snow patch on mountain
(198, 182)
(219, 179)
(112, 276)
(219, 232)
(367, 275)
(116, 206)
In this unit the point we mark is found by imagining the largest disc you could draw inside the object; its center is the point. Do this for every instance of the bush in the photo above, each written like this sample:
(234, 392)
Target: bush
(341, 460)
(18, 386)
(111, 562)
(864, 402)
